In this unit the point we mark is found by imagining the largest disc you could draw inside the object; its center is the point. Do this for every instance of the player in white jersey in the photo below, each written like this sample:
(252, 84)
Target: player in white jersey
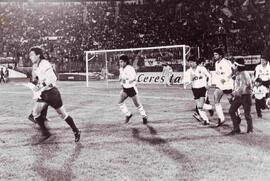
(34, 80)
(261, 95)
(50, 95)
(224, 82)
(167, 72)
(263, 71)
(128, 78)
(200, 80)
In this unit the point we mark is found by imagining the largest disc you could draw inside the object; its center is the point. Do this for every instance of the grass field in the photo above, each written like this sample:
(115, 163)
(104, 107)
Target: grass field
(172, 147)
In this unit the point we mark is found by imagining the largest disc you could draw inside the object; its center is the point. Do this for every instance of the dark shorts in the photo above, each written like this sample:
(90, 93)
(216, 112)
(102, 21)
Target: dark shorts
(260, 103)
(227, 91)
(130, 91)
(199, 92)
(266, 83)
(52, 97)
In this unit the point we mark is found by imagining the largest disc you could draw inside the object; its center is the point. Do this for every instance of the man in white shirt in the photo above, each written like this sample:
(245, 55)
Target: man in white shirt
(167, 72)
(127, 79)
(50, 95)
(261, 95)
(200, 80)
(224, 82)
(263, 71)
(34, 80)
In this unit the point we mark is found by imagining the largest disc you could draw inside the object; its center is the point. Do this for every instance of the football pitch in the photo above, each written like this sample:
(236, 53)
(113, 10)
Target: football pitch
(173, 146)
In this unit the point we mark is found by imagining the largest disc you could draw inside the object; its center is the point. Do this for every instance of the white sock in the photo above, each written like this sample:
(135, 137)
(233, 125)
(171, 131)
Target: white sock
(124, 109)
(203, 115)
(142, 111)
(207, 106)
(219, 112)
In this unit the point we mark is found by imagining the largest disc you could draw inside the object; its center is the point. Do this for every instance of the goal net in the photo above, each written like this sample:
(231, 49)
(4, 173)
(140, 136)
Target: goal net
(148, 62)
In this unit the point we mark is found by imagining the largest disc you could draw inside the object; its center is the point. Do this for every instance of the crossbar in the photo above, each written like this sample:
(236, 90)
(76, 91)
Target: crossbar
(134, 49)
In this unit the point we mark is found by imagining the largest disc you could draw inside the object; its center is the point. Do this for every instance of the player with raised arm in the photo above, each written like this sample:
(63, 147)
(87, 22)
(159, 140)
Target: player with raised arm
(200, 80)
(127, 78)
(224, 82)
(49, 94)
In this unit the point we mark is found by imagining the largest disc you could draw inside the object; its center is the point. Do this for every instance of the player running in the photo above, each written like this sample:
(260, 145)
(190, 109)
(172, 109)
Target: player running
(200, 80)
(127, 78)
(49, 94)
(224, 82)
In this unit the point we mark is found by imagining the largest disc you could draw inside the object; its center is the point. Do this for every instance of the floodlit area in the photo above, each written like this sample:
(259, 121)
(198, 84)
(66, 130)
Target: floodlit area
(172, 146)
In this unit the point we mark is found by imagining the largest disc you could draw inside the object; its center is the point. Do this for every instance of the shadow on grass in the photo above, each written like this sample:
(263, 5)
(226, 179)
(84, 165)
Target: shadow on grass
(256, 139)
(44, 153)
(162, 145)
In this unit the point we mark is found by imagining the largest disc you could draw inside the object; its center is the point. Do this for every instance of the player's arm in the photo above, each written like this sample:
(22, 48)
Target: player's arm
(50, 77)
(47, 79)
(256, 75)
(208, 75)
(132, 76)
(187, 78)
(163, 71)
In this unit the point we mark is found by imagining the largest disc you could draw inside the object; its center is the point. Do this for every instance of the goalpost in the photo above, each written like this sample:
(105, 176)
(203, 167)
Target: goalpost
(103, 64)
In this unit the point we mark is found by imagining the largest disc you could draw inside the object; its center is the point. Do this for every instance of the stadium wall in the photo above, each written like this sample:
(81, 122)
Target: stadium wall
(142, 77)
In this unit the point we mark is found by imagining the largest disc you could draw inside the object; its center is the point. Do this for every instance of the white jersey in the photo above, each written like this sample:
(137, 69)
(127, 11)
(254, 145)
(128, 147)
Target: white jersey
(167, 70)
(45, 73)
(223, 72)
(198, 77)
(262, 72)
(260, 92)
(128, 76)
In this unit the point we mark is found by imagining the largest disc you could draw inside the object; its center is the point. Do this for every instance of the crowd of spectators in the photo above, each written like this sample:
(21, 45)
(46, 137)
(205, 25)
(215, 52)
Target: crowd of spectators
(66, 30)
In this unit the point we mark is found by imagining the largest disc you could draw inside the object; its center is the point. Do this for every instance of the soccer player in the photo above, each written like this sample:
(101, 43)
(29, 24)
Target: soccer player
(2, 74)
(207, 104)
(261, 95)
(241, 97)
(167, 73)
(263, 71)
(50, 95)
(127, 78)
(224, 82)
(34, 80)
(200, 80)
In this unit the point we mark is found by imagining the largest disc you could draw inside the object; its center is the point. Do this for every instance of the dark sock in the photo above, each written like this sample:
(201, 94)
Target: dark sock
(44, 112)
(41, 122)
(71, 123)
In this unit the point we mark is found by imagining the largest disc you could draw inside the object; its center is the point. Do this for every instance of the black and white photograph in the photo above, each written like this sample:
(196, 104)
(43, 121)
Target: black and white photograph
(135, 90)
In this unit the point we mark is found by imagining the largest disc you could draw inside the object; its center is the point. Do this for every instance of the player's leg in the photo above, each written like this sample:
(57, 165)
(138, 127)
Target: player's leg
(247, 102)
(235, 104)
(202, 113)
(133, 93)
(207, 105)
(140, 108)
(123, 107)
(53, 98)
(69, 120)
(258, 107)
(43, 114)
(200, 101)
(218, 93)
(37, 109)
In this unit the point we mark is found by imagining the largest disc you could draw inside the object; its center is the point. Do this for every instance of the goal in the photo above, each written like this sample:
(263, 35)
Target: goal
(148, 62)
